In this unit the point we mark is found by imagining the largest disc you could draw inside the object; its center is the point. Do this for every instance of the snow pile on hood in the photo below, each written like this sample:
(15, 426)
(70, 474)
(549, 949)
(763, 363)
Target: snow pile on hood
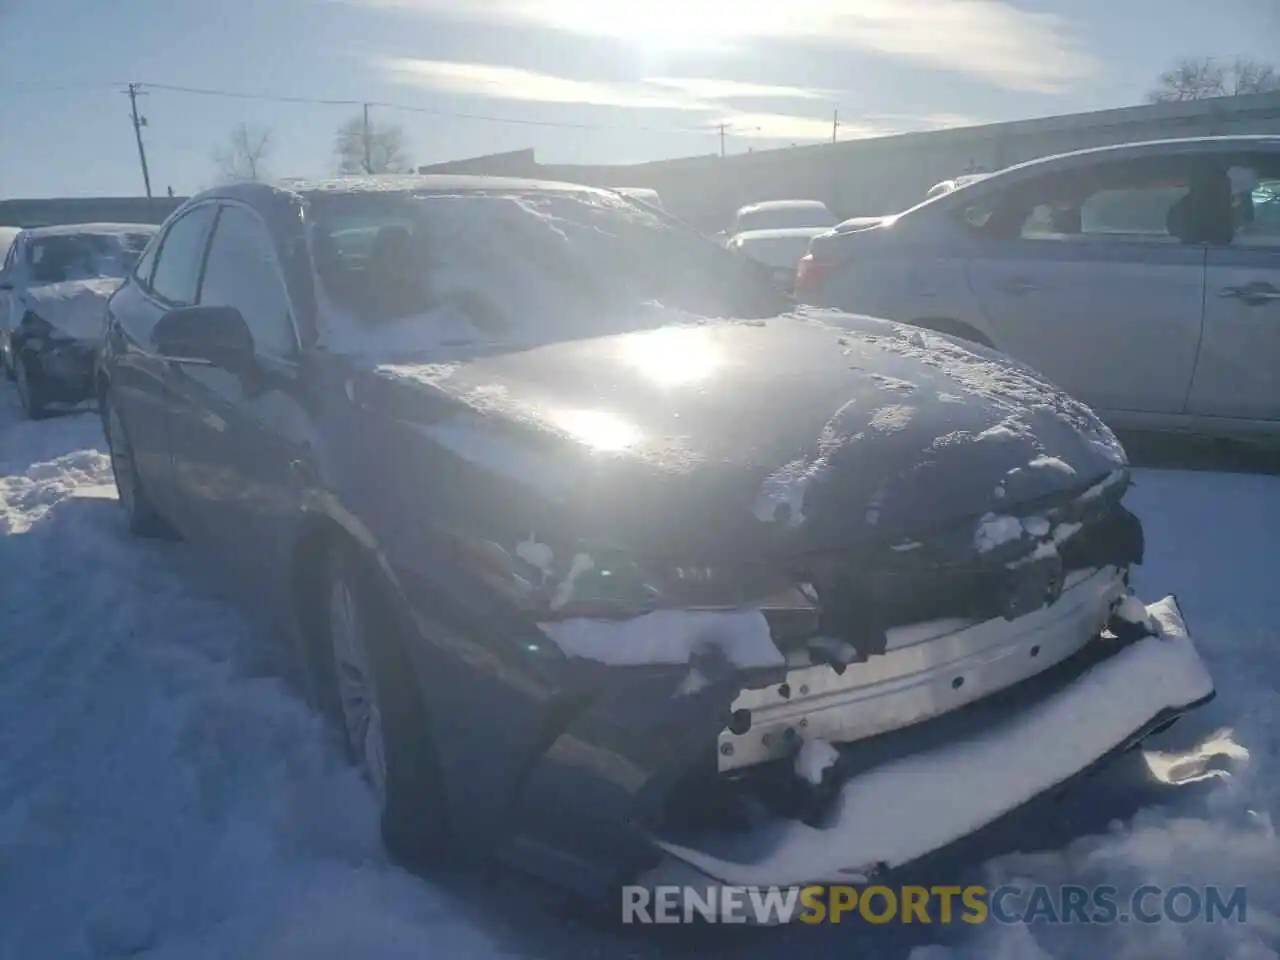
(76, 308)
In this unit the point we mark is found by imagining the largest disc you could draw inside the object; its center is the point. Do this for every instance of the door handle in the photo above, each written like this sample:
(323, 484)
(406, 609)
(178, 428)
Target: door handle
(1020, 285)
(1254, 294)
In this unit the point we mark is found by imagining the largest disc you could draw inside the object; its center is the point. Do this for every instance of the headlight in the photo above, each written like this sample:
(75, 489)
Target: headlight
(609, 583)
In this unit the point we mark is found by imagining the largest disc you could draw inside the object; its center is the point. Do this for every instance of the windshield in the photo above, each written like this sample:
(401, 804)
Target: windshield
(58, 258)
(514, 267)
(784, 217)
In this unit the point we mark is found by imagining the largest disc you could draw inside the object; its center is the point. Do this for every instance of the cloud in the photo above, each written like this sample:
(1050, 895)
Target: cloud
(705, 88)
(495, 82)
(989, 39)
(705, 96)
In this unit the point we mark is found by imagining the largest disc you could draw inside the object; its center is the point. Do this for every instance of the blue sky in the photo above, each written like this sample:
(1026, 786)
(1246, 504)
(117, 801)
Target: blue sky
(649, 78)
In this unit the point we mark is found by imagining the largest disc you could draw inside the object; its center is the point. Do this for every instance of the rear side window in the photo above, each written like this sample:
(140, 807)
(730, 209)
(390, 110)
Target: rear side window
(177, 269)
(1255, 199)
(1149, 200)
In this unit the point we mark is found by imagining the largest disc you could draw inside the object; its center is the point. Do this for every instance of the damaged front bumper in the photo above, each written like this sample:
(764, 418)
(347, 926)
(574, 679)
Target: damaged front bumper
(65, 366)
(926, 670)
(910, 793)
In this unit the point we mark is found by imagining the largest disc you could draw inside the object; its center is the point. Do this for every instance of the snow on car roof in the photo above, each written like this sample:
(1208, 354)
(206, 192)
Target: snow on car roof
(777, 233)
(70, 229)
(433, 183)
(783, 204)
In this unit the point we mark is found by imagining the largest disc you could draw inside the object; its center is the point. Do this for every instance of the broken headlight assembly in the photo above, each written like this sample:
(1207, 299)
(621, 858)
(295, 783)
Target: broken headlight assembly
(608, 583)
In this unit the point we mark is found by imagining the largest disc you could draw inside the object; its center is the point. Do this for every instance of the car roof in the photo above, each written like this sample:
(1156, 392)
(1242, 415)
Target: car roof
(393, 184)
(1142, 148)
(69, 229)
(780, 205)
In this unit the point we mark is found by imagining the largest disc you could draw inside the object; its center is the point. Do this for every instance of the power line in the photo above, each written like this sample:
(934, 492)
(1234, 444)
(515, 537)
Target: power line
(410, 108)
(141, 85)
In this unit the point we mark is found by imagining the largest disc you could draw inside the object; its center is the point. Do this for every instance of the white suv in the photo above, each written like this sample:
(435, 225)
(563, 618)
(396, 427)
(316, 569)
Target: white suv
(1143, 278)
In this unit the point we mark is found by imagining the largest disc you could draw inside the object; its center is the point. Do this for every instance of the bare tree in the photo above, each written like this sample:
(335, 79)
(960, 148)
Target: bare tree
(1250, 76)
(245, 156)
(1200, 78)
(365, 146)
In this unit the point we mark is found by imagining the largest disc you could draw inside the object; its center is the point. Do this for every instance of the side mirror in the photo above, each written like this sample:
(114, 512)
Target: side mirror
(217, 335)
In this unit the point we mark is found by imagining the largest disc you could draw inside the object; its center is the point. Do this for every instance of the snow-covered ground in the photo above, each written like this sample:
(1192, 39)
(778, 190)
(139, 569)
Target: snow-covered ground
(159, 798)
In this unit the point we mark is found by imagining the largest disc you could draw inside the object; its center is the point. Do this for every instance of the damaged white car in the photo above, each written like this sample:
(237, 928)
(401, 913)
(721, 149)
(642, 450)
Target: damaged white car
(54, 288)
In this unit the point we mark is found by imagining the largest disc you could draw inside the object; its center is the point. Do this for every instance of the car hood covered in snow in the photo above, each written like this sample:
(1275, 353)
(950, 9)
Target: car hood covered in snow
(75, 307)
(819, 427)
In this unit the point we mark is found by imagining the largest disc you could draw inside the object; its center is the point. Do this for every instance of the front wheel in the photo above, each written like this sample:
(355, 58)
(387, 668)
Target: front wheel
(31, 388)
(385, 723)
(144, 520)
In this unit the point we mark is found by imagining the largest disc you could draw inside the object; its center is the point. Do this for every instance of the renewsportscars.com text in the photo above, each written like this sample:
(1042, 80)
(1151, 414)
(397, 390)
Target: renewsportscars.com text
(936, 904)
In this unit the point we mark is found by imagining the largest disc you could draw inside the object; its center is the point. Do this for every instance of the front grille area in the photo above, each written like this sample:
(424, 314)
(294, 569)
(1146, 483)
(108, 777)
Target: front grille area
(864, 594)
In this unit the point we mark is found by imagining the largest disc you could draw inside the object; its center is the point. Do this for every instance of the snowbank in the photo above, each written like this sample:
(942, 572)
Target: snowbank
(156, 797)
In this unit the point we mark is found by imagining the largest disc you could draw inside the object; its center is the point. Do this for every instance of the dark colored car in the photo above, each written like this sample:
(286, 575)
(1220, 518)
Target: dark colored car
(54, 286)
(591, 545)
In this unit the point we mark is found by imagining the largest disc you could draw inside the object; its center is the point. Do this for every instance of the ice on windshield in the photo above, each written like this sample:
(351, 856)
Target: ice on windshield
(416, 273)
(83, 256)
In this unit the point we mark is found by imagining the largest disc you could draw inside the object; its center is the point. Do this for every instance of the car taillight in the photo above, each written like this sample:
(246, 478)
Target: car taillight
(811, 273)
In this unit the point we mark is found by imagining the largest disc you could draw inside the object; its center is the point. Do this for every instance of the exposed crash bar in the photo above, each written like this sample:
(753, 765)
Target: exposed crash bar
(902, 810)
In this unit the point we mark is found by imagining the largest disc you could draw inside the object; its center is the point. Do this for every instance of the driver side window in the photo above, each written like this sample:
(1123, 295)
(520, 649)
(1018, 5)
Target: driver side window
(242, 272)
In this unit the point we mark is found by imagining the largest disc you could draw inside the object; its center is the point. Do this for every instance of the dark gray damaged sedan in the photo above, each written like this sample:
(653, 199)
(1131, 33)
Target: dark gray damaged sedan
(610, 563)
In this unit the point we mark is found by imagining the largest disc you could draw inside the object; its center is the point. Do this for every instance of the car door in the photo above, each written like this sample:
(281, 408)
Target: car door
(165, 277)
(238, 439)
(1080, 276)
(1238, 372)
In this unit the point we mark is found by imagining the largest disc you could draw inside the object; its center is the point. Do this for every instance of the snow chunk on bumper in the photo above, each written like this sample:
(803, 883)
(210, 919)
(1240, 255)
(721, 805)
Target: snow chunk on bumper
(668, 636)
(894, 814)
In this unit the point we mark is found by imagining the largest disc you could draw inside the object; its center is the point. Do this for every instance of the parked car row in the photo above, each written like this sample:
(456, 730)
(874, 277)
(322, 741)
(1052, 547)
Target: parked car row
(609, 561)
(54, 286)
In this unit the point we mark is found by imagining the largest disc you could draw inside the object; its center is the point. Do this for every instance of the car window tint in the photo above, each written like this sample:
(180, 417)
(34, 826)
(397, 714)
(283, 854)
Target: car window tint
(242, 272)
(1140, 210)
(177, 270)
(1255, 202)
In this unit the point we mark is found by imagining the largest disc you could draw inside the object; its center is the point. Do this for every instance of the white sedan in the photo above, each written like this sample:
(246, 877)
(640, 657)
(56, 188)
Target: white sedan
(1143, 278)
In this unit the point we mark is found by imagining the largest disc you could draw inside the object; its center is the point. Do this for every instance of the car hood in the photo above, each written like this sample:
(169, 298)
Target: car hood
(75, 308)
(820, 428)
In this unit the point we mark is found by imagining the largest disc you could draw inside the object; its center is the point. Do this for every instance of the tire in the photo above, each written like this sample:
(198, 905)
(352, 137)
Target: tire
(144, 520)
(380, 713)
(30, 387)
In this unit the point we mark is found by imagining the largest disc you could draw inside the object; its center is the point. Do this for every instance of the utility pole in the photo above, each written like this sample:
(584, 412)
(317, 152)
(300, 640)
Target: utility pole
(835, 124)
(138, 124)
(722, 139)
(368, 145)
